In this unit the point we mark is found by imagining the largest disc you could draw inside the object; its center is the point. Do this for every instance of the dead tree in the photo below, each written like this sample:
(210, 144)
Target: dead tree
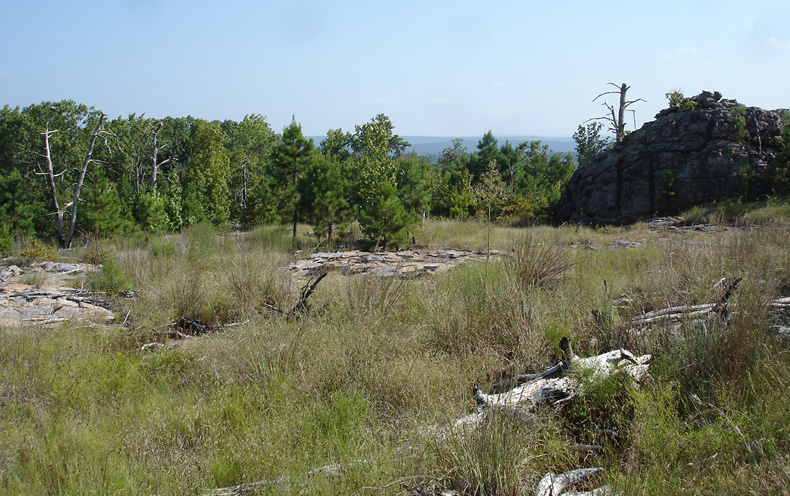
(302, 305)
(616, 119)
(155, 163)
(64, 237)
(555, 386)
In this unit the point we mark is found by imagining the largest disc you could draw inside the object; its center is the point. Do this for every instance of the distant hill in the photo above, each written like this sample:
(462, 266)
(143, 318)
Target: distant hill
(432, 146)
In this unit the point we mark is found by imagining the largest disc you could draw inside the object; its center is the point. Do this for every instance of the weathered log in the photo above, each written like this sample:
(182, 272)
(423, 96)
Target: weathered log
(554, 485)
(282, 483)
(720, 308)
(550, 485)
(555, 386)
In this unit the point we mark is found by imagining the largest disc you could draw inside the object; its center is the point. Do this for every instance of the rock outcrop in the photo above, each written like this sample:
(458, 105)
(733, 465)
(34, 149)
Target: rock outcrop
(719, 149)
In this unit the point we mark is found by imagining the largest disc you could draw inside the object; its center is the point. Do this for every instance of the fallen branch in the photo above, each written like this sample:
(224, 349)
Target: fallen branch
(720, 308)
(304, 294)
(302, 305)
(554, 485)
(331, 470)
(555, 386)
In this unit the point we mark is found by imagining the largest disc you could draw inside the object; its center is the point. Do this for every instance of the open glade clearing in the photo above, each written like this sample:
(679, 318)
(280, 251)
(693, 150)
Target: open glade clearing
(358, 393)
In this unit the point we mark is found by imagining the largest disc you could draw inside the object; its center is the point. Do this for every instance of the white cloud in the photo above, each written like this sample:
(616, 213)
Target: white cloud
(773, 43)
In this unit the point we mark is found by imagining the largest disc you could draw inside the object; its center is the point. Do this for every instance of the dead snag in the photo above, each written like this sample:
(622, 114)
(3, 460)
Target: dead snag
(307, 290)
(555, 386)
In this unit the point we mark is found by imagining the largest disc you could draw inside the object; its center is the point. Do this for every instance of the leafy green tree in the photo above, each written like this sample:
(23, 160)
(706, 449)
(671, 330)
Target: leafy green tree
(381, 211)
(384, 218)
(261, 205)
(18, 206)
(454, 157)
(677, 100)
(322, 195)
(337, 145)
(588, 141)
(452, 195)
(207, 175)
(250, 143)
(104, 212)
(374, 146)
(151, 213)
(290, 157)
(413, 180)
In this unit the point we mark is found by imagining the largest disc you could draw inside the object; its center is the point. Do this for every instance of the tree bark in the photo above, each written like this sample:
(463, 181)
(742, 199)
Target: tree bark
(53, 191)
(78, 187)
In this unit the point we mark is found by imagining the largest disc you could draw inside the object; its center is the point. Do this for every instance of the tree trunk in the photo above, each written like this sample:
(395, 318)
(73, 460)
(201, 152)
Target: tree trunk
(78, 187)
(296, 213)
(53, 191)
(154, 153)
(621, 113)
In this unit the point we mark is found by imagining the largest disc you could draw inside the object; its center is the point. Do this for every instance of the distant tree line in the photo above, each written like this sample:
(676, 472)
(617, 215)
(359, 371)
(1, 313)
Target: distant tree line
(66, 169)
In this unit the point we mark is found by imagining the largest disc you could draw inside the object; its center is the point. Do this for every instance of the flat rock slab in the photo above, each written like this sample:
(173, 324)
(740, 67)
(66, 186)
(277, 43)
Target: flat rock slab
(385, 264)
(48, 302)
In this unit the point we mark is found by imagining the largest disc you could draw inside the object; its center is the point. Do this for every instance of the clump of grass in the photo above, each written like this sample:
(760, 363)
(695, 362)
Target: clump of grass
(538, 264)
(96, 253)
(34, 278)
(500, 456)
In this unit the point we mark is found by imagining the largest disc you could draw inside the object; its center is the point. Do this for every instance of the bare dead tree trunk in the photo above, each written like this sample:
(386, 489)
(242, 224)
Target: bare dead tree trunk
(244, 178)
(53, 191)
(80, 180)
(616, 119)
(155, 163)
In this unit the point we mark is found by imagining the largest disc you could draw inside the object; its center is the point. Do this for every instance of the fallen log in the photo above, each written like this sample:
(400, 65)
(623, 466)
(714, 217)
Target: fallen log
(556, 386)
(720, 308)
(550, 485)
(554, 485)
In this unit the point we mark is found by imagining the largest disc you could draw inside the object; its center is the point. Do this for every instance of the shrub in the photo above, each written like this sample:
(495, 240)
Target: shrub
(37, 250)
(110, 279)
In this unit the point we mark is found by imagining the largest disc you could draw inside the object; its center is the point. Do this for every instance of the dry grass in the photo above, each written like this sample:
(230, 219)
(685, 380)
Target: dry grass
(365, 379)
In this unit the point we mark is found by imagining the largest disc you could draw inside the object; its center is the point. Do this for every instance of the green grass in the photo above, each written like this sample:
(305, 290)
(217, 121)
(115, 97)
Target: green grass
(370, 377)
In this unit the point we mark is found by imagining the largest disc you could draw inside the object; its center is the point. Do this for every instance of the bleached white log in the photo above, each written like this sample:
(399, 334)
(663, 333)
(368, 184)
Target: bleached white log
(554, 485)
(521, 401)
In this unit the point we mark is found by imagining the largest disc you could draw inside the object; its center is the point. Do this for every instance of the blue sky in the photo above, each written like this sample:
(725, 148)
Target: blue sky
(434, 67)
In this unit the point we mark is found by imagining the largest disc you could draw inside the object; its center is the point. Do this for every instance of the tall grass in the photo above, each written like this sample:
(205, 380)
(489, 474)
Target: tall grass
(368, 379)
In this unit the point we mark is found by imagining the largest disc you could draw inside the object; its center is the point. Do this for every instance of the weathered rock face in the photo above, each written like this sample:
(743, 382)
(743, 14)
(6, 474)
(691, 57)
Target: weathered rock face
(717, 150)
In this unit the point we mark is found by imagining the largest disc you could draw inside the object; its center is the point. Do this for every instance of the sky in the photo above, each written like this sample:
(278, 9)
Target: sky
(435, 68)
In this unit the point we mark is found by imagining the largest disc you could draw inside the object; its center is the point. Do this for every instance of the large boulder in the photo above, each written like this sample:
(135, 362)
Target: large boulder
(719, 149)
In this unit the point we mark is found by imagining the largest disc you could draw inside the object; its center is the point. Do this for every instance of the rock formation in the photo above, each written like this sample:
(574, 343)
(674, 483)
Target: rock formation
(717, 149)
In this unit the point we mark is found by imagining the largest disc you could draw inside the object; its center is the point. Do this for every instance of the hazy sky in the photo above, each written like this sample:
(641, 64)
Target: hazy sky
(446, 68)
